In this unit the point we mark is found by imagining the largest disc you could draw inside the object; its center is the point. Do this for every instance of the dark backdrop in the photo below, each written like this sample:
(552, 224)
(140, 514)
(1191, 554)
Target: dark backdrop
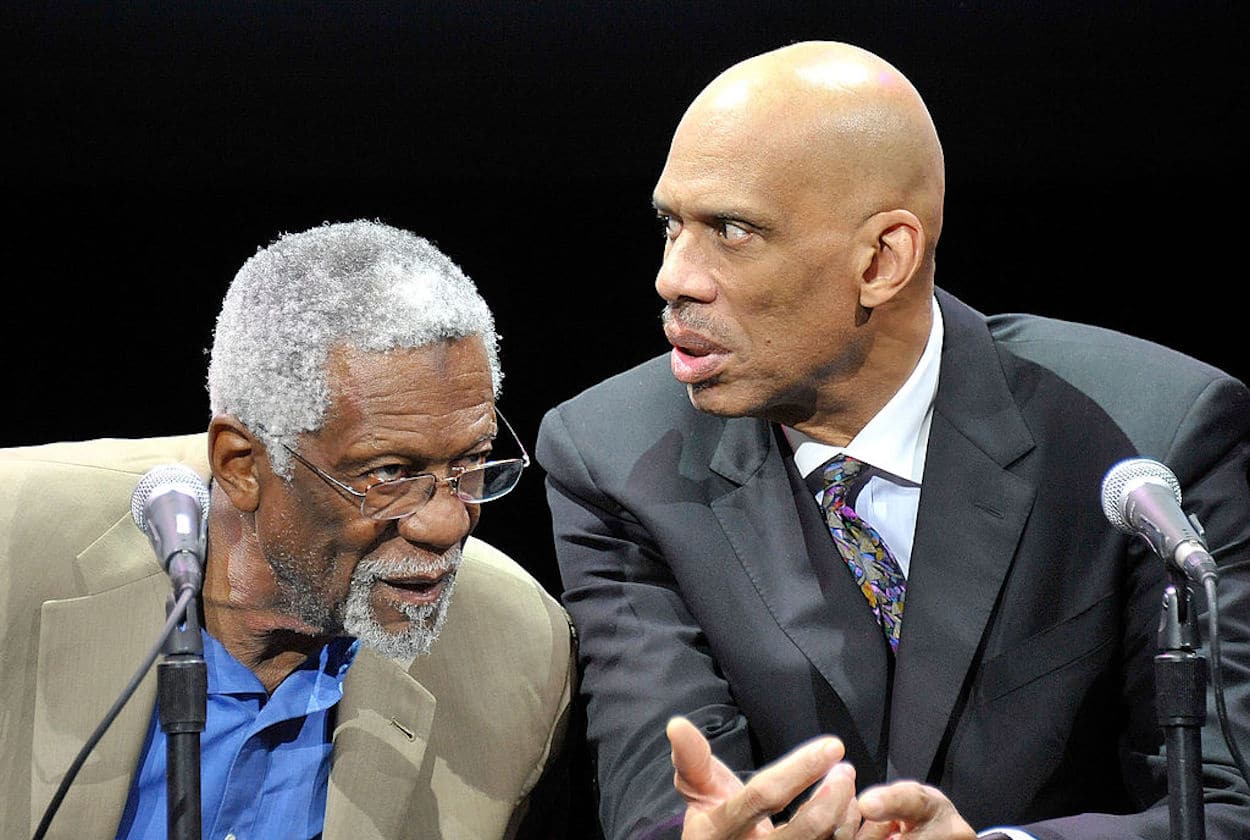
(1096, 172)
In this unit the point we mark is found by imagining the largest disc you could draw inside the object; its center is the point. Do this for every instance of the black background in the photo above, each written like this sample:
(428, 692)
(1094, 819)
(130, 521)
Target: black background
(1094, 151)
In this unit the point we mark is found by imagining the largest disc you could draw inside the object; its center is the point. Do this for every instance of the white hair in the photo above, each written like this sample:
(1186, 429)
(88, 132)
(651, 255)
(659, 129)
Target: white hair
(361, 284)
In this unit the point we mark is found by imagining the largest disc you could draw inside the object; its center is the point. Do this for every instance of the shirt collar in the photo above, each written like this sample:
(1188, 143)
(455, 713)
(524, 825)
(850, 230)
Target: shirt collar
(896, 439)
(227, 675)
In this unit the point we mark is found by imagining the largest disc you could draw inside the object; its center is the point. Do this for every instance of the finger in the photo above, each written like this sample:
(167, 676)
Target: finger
(705, 783)
(774, 787)
(691, 753)
(920, 811)
(831, 810)
(871, 830)
(907, 801)
(877, 830)
(698, 776)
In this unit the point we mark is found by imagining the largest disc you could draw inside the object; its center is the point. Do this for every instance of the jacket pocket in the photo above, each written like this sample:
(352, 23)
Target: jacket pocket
(1084, 635)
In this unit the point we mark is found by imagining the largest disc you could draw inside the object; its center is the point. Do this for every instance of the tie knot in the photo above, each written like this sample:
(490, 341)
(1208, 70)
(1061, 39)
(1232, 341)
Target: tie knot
(838, 473)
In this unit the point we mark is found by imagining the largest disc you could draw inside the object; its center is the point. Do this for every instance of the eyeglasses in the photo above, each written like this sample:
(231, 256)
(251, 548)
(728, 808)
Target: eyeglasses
(402, 497)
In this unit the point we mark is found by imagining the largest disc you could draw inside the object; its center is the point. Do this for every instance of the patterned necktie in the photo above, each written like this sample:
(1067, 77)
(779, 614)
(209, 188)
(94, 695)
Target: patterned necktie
(874, 567)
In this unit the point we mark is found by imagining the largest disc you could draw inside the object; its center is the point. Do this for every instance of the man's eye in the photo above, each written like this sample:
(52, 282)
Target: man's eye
(388, 472)
(732, 231)
(669, 227)
(468, 462)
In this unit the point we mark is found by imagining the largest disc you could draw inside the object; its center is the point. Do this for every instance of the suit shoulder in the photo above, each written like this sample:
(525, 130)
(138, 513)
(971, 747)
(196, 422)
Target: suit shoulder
(129, 456)
(627, 411)
(1068, 347)
(491, 582)
(1161, 398)
(640, 386)
(93, 479)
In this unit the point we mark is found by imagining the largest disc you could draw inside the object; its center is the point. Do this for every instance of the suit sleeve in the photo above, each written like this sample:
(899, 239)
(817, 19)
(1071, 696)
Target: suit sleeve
(642, 654)
(1210, 454)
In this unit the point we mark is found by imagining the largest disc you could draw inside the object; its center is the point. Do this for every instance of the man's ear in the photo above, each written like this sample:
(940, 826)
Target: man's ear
(235, 457)
(898, 254)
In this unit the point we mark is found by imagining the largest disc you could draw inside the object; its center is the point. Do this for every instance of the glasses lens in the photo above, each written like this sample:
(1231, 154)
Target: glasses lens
(399, 498)
(490, 481)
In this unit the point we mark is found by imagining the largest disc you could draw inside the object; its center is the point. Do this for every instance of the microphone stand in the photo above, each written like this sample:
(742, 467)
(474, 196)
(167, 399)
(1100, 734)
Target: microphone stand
(1180, 702)
(181, 700)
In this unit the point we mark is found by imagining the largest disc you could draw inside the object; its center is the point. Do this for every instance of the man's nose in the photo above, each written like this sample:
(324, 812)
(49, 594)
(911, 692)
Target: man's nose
(442, 522)
(686, 271)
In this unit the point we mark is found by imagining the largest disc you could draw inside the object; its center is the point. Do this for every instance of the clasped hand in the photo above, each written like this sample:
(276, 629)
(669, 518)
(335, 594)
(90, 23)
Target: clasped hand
(719, 806)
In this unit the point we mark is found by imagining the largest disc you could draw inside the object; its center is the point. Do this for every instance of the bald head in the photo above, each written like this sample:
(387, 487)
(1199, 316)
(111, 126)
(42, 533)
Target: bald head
(834, 114)
(802, 203)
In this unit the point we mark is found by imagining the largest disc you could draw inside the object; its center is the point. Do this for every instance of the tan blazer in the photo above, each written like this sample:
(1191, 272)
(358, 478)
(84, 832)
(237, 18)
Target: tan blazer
(452, 747)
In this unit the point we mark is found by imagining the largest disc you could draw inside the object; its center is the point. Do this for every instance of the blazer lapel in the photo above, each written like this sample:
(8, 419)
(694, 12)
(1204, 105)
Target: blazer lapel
(972, 512)
(833, 626)
(88, 648)
(380, 739)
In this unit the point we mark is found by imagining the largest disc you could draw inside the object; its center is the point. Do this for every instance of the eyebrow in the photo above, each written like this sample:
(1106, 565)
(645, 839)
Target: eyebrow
(412, 456)
(488, 438)
(734, 216)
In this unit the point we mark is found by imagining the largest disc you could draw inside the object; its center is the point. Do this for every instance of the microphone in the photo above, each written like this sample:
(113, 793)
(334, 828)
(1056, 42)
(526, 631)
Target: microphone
(1142, 496)
(170, 505)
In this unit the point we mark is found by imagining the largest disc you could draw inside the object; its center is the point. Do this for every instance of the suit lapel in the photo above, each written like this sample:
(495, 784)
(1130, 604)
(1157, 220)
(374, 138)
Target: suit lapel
(380, 739)
(833, 626)
(88, 649)
(972, 512)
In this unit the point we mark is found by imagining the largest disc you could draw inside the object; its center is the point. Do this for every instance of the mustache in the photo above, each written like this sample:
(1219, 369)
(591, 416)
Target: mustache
(690, 317)
(375, 568)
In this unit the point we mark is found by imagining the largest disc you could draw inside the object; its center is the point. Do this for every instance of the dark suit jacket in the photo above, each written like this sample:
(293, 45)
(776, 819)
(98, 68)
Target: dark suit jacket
(1023, 685)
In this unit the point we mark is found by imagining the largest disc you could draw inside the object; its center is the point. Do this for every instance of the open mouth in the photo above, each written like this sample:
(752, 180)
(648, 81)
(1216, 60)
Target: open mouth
(693, 344)
(416, 590)
(694, 358)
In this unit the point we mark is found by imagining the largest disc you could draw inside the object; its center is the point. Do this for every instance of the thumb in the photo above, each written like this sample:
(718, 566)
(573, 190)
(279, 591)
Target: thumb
(692, 755)
(697, 774)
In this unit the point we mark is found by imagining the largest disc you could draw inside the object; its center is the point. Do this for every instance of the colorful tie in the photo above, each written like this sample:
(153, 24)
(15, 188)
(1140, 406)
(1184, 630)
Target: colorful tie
(874, 567)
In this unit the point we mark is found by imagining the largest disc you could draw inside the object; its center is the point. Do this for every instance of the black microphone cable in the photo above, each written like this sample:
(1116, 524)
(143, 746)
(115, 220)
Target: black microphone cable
(176, 616)
(1209, 586)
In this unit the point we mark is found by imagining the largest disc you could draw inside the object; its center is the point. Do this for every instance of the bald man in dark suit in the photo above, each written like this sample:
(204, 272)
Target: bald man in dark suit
(703, 560)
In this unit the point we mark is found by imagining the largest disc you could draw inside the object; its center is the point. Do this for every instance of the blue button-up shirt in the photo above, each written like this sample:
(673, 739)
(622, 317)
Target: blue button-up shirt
(264, 760)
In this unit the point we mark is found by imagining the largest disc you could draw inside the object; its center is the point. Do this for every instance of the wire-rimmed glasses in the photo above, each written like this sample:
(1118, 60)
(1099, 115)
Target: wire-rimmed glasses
(402, 497)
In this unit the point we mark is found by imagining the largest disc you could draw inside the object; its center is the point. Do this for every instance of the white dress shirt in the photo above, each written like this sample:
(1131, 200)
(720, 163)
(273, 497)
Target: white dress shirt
(894, 444)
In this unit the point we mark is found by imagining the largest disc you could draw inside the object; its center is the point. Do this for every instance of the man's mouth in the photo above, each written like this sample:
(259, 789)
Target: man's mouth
(416, 589)
(695, 358)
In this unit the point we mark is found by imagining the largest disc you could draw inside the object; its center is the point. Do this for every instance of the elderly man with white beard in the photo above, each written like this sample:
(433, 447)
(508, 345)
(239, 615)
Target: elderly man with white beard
(353, 437)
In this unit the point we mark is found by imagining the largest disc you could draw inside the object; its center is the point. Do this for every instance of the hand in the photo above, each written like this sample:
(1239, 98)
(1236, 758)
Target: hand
(720, 807)
(910, 811)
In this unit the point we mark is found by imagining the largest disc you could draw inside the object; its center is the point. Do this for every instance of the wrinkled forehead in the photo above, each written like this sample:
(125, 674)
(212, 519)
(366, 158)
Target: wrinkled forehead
(742, 142)
(441, 392)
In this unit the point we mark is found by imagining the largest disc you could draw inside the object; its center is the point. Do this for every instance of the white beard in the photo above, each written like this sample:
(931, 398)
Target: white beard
(424, 621)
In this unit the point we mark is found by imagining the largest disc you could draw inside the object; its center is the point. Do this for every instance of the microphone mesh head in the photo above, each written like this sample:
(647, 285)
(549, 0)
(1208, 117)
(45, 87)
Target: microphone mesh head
(163, 477)
(1125, 477)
